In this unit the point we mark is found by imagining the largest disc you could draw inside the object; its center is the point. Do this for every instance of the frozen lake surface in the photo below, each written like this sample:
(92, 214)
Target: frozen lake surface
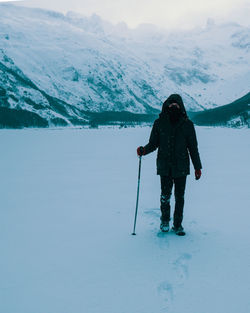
(66, 216)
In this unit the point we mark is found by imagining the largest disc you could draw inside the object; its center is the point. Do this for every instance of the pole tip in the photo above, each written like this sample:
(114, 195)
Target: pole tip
(133, 234)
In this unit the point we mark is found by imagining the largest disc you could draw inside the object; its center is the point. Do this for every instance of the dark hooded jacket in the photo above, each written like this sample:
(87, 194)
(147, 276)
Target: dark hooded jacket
(175, 142)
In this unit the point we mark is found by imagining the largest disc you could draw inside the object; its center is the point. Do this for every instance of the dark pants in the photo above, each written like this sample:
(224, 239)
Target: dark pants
(167, 183)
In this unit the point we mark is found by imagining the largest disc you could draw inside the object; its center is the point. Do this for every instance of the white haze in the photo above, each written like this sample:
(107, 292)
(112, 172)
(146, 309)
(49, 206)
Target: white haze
(180, 14)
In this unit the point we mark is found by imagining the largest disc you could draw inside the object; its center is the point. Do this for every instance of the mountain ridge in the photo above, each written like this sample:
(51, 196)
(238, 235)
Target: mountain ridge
(72, 65)
(234, 114)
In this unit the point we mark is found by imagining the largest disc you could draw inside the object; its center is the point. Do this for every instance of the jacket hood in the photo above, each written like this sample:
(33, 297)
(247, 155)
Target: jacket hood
(171, 99)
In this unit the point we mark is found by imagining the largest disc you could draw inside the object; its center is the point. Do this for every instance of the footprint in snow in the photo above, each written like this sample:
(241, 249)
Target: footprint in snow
(152, 213)
(162, 240)
(165, 290)
(181, 266)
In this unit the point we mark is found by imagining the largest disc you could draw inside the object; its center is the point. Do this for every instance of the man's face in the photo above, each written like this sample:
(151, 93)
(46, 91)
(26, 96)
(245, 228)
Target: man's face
(174, 104)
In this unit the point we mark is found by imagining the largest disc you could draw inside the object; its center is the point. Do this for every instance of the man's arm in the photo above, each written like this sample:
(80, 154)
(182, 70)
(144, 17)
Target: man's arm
(153, 143)
(193, 147)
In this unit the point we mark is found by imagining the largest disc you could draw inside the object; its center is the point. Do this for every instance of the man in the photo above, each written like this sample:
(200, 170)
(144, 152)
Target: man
(174, 136)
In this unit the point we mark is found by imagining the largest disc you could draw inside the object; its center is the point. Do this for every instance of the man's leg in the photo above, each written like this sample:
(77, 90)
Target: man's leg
(166, 191)
(179, 191)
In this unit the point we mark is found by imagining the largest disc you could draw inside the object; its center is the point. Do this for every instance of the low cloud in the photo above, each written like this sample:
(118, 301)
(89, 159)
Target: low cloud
(164, 13)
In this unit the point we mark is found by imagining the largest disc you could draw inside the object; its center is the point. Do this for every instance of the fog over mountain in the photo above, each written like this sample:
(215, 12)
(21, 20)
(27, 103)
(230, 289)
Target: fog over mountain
(179, 14)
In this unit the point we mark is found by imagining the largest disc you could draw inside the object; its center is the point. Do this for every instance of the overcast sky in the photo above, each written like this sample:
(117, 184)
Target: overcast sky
(164, 13)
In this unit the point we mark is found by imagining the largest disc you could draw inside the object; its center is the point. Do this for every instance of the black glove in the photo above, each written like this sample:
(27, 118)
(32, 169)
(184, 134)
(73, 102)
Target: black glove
(140, 151)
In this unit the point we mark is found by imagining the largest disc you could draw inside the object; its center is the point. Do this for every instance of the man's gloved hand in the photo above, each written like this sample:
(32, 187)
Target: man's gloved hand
(140, 151)
(197, 174)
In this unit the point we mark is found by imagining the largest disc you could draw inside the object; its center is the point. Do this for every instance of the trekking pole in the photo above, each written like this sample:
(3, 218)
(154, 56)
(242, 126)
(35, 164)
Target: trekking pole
(137, 198)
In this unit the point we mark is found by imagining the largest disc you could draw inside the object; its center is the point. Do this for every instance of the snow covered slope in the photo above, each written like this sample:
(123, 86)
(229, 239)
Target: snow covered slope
(67, 210)
(235, 114)
(87, 64)
(210, 64)
(79, 67)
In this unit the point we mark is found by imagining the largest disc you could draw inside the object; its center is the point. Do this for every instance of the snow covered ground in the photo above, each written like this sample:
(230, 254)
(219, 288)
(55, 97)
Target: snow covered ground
(66, 217)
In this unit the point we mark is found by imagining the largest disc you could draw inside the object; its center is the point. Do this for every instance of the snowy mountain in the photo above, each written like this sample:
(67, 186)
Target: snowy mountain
(62, 67)
(235, 114)
(210, 64)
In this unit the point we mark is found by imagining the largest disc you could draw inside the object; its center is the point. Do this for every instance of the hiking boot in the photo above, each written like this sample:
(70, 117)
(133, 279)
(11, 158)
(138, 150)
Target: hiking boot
(164, 227)
(179, 230)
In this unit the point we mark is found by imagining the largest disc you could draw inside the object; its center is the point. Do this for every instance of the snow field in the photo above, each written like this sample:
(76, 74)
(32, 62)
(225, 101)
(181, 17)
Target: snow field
(67, 209)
